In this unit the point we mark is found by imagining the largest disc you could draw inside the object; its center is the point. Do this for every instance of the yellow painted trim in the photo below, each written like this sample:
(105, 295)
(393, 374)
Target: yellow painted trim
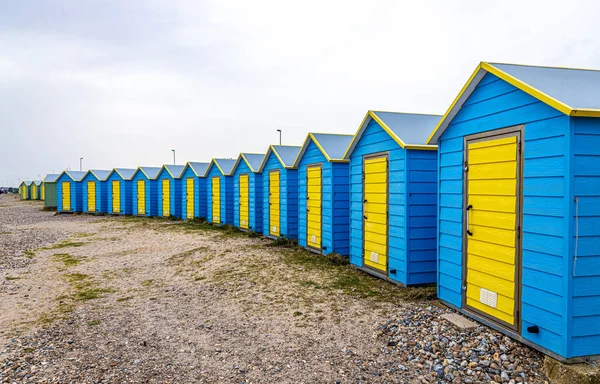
(551, 101)
(588, 112)
(190, 166)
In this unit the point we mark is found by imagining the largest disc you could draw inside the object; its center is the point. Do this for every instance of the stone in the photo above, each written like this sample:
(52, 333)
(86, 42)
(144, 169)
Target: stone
(459, 322)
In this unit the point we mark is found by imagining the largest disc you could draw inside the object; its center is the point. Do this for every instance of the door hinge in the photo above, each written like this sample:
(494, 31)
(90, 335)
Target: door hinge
(518, 232)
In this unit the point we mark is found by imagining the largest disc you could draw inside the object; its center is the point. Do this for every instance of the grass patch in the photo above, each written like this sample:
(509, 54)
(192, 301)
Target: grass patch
(91, 293)
(298, 313)
(93, 323)
(84, 234)
(67, 259)
(29, 254)
(66, 244)
(76, 277)
(283, 242)
(147, 283)
(126, 298)
(179, 258)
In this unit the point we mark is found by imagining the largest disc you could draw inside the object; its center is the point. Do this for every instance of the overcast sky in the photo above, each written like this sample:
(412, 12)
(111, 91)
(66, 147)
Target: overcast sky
(122, 82)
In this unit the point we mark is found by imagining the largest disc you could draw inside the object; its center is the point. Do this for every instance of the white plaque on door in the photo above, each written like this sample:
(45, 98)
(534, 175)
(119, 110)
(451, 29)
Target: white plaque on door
(313, 239)
(375, 257)
(488, 297)
(274, 229)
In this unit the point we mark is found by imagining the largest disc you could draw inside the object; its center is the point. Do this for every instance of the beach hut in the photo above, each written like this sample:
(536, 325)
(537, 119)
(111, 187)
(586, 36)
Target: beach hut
(324, 194)
(393, 186)
(193, 190)
(519, 205)
(49, 190)
(247, 192)
(35, 189)
(145, 191)
(280, 192)
(95, 191)
(119, 191)
(219, 191)
(69, 191)
(42, 191)
(169, 191)
(25, 190)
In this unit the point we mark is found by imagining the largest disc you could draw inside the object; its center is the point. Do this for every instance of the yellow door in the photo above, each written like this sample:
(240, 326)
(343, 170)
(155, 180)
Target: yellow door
(491, 226)
(274, 203)
(116, 196)
(216, 200)
(189, 197)
(375, 207)
(166, 197)
(141, 197)
(244, 201)
(313, 206)
(43, 192)
(91, 195)
(33, 192)
(66, 196)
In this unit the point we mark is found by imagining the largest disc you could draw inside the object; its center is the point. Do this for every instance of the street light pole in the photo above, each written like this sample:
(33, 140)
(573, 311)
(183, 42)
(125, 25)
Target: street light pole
(173, 156)
(279, 130)
(81, 164)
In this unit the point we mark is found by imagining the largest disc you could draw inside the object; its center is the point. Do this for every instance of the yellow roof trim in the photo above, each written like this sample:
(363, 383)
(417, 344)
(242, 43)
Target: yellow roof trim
(588, 112)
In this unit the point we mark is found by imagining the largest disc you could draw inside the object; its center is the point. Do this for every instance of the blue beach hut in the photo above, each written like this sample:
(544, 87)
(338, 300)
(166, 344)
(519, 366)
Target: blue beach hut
(393, 184)
(119, 191)
(280, 192)
(247, 192)
(144, 191)
(94, 191)
(169, 191)
(69, 196)
(519, 205)
(219, 191)
(193, 190)
(324, 193)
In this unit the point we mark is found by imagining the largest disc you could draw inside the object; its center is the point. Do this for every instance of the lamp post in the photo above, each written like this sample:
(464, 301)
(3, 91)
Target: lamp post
(81, 164)
(279, 130)
(173, 156)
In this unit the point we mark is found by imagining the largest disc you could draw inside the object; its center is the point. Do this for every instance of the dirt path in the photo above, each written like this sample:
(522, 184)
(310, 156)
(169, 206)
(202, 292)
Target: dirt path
(146, 300)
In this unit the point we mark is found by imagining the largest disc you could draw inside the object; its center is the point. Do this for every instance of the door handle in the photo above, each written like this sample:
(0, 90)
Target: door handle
(365, 209)
(469, 207)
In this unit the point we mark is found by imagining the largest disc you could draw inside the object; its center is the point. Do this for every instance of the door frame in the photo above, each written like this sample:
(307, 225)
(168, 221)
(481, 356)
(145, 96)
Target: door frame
(372, 270)
(212, 200)
(88, 196)
(240, 202)
(518, 131)
(193, 179)
(278, 171)
(137, 186)
(320, 166)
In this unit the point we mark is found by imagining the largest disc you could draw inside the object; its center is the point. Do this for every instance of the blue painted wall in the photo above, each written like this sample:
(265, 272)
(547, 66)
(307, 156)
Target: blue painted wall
(335, 204)
(288, 185)
(199, 194)
(255, 204)
(585, 216)
(126, 194)
(151, 187)
(76, 194)
(226, 196)
(174, 193)
(496, 104)
(101, 194)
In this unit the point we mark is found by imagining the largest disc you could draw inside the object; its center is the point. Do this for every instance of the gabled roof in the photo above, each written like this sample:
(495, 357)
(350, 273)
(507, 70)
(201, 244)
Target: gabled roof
(225, 166)
(332, 146)
(150, 172)
(174, 170)
(37, 182)
(74, 175)
(252, 160)
(199, 169)
(409, 130)
(26, 182)
(124, 173)
(100, 174)
(51, 177)
(286, 154)
(573, 92)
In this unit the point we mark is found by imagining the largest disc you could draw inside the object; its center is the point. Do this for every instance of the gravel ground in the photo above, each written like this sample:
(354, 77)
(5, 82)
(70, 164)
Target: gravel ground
(147, 300)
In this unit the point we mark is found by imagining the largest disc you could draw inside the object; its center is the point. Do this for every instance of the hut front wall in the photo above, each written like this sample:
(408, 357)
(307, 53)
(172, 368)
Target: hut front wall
(585, 215)
(254, 197)
(84, 193)
(150, 194)
(495, 104)
(76, 195)
(199, 194)
(288, 195)
(375, 140)
(226, 197)
(50, 195)
(174, 194)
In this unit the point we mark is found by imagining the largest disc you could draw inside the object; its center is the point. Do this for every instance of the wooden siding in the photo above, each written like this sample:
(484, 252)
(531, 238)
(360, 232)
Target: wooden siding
(585, 302)
(50, 195)
(199, 194)
(335, 204)
(496, 104)
(226, 196)
(255, 203)
(376, 140)
(151, 194)
(288, 198)
(101, 194)
(126, 194)
(76, 196)
(174, 193)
